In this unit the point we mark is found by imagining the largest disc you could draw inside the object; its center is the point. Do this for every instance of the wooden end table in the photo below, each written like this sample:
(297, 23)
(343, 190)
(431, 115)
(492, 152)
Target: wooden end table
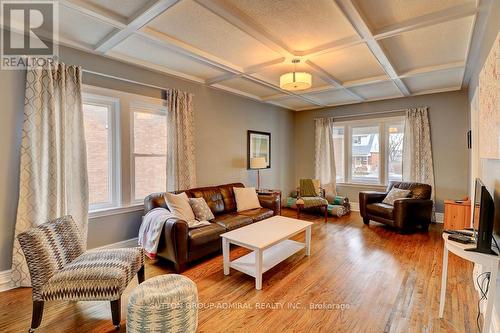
(271, 192)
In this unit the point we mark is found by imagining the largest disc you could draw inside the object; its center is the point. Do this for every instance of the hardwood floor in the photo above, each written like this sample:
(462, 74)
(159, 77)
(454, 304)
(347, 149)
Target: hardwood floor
(358, 278)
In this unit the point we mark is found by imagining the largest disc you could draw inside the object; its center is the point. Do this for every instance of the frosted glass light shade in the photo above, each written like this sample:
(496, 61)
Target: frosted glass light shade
(295, 81)
(258, 163)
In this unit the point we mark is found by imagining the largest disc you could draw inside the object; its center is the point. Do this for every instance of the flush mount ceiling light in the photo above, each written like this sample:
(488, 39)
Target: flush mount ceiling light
(294, 81)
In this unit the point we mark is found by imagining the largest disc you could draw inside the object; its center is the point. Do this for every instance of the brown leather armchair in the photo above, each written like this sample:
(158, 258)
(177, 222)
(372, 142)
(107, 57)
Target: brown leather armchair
(182, 245)
(406, 214)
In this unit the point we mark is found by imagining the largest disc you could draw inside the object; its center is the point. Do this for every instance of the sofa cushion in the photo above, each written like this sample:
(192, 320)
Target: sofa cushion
(209, 233)
(212, 196)
(257, 214)
(231, 221)
(228, 196)
(380, 209)
(201, 209)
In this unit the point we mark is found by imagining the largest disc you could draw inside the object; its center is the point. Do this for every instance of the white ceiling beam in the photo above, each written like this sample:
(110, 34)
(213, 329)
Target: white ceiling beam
(247, 27)
(423, 21)
(141, 19)
(476, 38)
(330, 47)
(431, 69)
(94, 12)
(247, 70)
(358, 22)
(366, 81)
(331, 79)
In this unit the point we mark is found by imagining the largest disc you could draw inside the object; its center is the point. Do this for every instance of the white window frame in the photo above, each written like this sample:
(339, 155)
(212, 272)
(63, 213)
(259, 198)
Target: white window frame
(382, 123)
(142, 107)
(114, 155)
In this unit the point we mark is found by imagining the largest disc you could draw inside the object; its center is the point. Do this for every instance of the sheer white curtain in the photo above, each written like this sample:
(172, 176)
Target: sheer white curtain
(181, 161)
(324, 165)
(418, 165)
(53, 170)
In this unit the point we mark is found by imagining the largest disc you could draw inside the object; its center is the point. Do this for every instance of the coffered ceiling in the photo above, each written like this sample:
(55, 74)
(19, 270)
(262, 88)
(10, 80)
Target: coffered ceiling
(356, 50)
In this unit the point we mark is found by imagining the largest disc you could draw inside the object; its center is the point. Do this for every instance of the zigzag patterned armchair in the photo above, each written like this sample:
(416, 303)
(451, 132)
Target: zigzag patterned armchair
(61, 269)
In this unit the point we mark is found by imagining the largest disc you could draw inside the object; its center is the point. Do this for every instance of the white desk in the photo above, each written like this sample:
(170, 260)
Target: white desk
(270, 244)
(489, 263)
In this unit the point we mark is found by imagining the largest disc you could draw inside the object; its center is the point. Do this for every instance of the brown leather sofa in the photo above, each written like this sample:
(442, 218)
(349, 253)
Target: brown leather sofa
(182, 245)
(406, 214)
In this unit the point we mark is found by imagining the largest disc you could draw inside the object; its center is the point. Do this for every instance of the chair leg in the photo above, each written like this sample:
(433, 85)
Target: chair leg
(326, 214)
(140, 274)
(36, 318)
(116, 312)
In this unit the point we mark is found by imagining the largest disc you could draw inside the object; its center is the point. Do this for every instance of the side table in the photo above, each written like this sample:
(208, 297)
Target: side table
(270, 192)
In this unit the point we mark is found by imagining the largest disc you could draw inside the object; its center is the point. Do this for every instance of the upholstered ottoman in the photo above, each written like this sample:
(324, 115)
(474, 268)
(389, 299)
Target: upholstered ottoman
(166, 303)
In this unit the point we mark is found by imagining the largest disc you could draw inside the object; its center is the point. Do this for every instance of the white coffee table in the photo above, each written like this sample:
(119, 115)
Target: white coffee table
(269, 240)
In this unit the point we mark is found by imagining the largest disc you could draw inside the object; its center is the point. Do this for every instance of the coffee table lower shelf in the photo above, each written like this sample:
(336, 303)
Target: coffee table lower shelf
(270, 257)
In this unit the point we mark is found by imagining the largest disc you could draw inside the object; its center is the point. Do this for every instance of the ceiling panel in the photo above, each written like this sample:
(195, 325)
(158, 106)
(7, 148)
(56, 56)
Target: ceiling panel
(398, 11)
(386, 89)
(301, 25)
(272, 74)
(293, 103)
(249, 86)
(332, 97)
(193, 24)
(435, 45)
(125, 9)
(81, 28)
(437, 80)
(138, 48)
(352, 63)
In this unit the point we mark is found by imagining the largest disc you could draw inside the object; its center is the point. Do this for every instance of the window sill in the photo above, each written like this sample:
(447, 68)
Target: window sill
(115, 211)
(362, 185)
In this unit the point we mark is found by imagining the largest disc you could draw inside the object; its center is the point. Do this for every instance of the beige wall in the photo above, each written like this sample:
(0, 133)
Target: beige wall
(221, 122)
(448, 120)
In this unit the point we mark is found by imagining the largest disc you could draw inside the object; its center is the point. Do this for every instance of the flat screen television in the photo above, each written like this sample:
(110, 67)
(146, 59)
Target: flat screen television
(483, 219)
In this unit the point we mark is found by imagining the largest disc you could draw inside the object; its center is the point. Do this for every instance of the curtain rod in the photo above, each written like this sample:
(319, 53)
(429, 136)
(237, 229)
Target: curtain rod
(369, 113)
(123, 79)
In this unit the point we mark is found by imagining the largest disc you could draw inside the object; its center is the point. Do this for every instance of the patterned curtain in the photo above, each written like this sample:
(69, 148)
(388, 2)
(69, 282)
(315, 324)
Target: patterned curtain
(53, 175)
(181, 162)
(324, 159)
(417, 149)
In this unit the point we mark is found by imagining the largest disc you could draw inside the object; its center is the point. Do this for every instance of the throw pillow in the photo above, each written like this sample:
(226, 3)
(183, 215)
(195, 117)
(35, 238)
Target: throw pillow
(246, 198)
(201, 209)
(179, 206)
(394, 194)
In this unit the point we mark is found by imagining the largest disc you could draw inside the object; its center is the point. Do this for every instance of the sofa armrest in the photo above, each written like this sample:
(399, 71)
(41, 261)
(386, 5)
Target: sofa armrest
(270, 201)
(368, 197)
(410, 212)
(174, 241)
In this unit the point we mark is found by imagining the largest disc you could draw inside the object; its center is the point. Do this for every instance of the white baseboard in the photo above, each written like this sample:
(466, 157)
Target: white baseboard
(132, 242)
(5, 280)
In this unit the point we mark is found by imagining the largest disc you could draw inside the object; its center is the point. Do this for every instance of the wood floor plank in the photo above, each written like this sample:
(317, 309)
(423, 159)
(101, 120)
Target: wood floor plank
(358, 279)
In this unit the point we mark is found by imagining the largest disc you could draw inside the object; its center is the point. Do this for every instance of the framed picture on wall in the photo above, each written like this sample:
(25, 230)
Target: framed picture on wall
(258, 145)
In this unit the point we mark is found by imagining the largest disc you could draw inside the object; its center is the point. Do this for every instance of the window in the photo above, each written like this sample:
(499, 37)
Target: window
(395, 133)
(369, 151)
(101, 138)
(365, 155)
(149, 150)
